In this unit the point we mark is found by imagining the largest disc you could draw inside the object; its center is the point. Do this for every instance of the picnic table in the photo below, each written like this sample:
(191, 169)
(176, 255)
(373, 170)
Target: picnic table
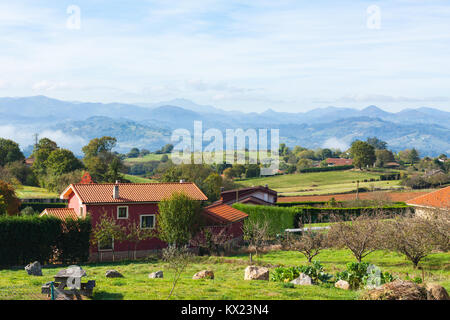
(69, 278)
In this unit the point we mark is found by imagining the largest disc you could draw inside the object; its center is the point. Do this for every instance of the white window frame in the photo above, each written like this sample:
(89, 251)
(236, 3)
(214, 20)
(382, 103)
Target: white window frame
(147, 215)
(105, 250)
(118, 210)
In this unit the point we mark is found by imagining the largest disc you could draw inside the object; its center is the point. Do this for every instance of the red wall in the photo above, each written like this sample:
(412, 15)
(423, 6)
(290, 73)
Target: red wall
(134, 212)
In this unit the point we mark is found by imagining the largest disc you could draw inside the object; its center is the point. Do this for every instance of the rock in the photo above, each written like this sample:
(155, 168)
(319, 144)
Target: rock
(256, 273)
(342, 284)
(34, 269)
(204, 274)
(73, 271)
(436, 292)
(157, 274)
(397, 290)
(113, 274)
(303, 280)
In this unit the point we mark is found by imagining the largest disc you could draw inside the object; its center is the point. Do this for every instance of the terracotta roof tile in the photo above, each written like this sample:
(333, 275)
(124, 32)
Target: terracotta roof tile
(225, 213)
(437, 199)
(339, 161)
(61, 213)
(132, 192)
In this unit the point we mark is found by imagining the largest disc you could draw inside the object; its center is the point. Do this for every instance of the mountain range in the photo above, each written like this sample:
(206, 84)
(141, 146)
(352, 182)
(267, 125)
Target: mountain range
(149, 125)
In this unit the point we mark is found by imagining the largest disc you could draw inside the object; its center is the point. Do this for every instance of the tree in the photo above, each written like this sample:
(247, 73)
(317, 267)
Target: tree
(9, 152)
(252, 171)
(105, 232)
(361, 235)
(377, 143)
(410, 236)
(61, 161)
(304, 163)
(177, 260)
(135, 234)
(178, 219)
(256, 233)
(309, 244)
(212, 184)
(413, 156)
(40, 154)
(383, 156)
(212, 239)
(134, 153)
(11, 203)
(363, 154)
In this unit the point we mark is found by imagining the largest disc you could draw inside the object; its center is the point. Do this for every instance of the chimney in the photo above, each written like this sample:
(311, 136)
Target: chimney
(181, 181)
(116, 191)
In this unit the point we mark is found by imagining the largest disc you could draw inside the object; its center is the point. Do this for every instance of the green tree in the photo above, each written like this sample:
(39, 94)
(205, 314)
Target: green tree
(212, 184)
(11, 203)
(377, 143)
(304, 163)
(383, 156)
(413, 156)
(134, 153)
(178, 219)
(40, 154)
(105, 231)
(62, 161)
(9, 152)
(363, 154)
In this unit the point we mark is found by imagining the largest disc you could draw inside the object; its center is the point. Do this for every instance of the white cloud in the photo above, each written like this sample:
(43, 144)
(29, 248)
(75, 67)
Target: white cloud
(335, 143)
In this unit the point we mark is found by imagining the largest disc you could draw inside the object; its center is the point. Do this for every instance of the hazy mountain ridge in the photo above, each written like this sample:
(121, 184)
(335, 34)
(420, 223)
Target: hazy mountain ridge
(150, 125)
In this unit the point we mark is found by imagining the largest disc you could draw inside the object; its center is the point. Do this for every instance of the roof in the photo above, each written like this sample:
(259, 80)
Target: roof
(224, 213)
(61, 213)
(339, 161)
(436, 199)
(95, 193)
(257, 188)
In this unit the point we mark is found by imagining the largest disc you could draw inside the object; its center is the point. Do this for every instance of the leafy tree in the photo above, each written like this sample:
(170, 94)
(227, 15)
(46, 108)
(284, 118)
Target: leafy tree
(40, 154)
(21, 172)
(377, 143)
(106, 231)
(62, 161)
(252, 171)
(212, 184)
(135, 234)
(304, 163)
(178, 219)
(413, 156)
(177, 258)
(307, 154)
(134, 153)
(383, 156)
(363, 154)
(11, 203)
(9, 152)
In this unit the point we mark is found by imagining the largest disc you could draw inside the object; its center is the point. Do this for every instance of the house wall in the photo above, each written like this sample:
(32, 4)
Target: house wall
(134, 213)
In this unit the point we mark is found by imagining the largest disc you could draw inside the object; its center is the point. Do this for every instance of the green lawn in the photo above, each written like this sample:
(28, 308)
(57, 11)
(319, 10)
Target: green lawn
(316, 183)
(229, 272)
(138, 179)
(147, 158)
(27, 192)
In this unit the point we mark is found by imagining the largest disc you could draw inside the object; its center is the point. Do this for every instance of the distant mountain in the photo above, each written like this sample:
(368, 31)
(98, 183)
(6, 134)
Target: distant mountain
(150, 125)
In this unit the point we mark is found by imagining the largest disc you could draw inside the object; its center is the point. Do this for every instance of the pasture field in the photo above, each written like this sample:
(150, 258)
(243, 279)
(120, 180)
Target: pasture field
(229, 283)
(320, 183)
(27, 192)
(138, 179)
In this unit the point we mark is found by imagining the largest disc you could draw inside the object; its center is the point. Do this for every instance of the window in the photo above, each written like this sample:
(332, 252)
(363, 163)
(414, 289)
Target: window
(106, 245)
(122, 212)
(147, 221)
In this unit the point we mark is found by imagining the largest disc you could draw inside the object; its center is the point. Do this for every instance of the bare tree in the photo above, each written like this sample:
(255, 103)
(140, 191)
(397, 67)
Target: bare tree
(361, 235)
(438, 228)
(212, 239)
(177, 258)
(105, 232)
(256, 233)
(135, 234)
(309, 244)
(410, 236)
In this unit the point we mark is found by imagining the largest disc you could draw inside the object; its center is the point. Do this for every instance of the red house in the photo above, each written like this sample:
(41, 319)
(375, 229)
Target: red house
(138, 202)
(339, 162)
(254, 195)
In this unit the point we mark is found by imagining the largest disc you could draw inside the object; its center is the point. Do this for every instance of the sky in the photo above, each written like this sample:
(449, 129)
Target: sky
(290, 56)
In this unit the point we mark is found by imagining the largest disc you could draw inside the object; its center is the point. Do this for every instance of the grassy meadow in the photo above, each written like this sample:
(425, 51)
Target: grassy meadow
(229, 273)
(27, 192)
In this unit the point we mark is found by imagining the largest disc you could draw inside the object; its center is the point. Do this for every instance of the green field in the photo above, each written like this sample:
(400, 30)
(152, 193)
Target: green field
(147, 158)
(138, 179)
(27, 192)
(229, 273)
(316, 183)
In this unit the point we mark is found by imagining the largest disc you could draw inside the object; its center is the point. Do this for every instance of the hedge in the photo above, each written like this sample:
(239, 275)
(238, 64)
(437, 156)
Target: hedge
(278, 218)
(281, 218)
(39, 207)
(321, 169)
(25, 239)
(305, 203)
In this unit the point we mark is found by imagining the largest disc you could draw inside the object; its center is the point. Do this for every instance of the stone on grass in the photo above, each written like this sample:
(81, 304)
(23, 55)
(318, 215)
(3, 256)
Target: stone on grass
(204, 274)
(436, 292)
(157, 274)
(256, 273)
(113, 274)
(342, 284)
(34, 269)
(303, 280)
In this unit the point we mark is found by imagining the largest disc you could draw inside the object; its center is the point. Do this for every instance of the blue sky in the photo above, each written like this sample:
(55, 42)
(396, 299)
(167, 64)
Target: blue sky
(237, 55)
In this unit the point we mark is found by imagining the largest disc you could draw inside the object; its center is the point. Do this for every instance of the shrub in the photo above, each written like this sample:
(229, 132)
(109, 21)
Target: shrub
(322, 169)
(359, 274)
(315, 271)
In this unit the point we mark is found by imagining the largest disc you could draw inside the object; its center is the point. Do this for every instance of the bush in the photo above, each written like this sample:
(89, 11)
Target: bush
(359, 274)
(315, 271)
(73, 242)
(322, 169)
(27, 211)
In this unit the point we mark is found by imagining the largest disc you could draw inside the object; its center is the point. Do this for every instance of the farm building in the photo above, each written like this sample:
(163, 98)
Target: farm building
(254, 195)
(435, 201)
(138, 202)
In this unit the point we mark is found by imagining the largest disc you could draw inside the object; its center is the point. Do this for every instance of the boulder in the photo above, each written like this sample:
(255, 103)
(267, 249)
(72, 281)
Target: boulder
(204, 274)
(303, 280)
(342, 284)
(436, 292)
(113, 274)
(256, 273)
(157, 274)
(397, 290)
(34, 269)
